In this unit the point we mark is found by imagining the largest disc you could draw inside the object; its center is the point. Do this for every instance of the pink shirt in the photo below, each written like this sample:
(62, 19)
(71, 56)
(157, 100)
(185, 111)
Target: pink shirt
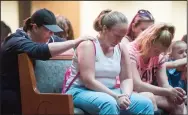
(147, 71)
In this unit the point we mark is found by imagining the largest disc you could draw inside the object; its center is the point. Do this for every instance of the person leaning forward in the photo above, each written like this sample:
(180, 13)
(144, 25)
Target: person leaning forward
(31, 39)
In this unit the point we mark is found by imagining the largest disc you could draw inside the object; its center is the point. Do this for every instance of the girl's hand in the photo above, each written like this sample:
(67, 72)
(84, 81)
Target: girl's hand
(176, 95)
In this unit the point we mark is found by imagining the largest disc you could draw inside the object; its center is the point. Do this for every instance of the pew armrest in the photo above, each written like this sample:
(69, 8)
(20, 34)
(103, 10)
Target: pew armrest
(52, 103)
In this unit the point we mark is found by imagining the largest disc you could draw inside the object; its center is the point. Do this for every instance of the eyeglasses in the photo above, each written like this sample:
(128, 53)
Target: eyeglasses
(145, 13)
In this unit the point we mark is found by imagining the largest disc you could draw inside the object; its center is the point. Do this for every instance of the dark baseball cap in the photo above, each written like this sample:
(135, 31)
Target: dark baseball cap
(46, 18)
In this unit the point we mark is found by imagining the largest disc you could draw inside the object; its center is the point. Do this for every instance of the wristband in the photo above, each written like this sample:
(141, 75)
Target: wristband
(124, 95)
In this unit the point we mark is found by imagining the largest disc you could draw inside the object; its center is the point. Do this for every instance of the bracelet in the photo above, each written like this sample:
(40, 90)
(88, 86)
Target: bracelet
(124, 95)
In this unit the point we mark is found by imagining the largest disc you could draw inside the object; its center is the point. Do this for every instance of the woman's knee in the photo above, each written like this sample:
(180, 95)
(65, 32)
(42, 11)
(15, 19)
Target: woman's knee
(96, 102)
(143, 105)
(146, 102)
(178, 107)
(151, 96)
(109, 105)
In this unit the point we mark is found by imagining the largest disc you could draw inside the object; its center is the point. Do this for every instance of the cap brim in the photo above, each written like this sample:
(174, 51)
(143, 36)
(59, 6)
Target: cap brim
(53, 28)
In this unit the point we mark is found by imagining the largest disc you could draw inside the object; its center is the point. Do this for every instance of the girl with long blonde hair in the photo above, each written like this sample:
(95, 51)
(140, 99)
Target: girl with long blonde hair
(149, 69)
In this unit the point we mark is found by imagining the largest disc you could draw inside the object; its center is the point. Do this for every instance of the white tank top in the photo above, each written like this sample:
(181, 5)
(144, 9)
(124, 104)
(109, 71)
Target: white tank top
(106, 68)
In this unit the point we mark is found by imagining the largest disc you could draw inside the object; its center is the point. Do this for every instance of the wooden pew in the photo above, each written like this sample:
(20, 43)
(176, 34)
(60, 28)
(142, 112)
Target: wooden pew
(34, 102)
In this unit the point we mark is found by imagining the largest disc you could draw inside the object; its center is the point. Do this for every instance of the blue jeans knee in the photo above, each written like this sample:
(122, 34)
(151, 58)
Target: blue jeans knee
(94, 102)
(141, 105)
(102, 103)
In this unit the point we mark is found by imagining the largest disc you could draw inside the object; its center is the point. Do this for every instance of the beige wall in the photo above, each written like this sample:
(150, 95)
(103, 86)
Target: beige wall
(69, 9)
(163, 11)
(83, 13)
(179, 17)
(9, 14)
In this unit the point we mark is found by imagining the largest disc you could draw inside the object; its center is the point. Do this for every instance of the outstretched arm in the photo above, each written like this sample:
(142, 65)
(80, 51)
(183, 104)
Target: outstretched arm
(163, 82)
(176, 63)
(60, 47)
(141, 86)
(166, 90)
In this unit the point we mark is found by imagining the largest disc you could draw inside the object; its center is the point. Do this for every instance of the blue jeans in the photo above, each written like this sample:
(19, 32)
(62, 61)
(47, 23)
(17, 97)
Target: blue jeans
(103, 104)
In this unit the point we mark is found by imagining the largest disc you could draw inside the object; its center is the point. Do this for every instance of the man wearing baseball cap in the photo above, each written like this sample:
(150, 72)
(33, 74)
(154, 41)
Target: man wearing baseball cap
(30, 39)
(46, 18)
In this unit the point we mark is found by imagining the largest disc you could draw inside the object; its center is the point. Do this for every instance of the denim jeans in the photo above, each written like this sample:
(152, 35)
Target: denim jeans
(103, 104)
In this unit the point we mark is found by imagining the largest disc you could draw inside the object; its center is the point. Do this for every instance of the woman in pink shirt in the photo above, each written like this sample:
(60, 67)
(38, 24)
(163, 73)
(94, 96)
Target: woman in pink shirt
(149, 70)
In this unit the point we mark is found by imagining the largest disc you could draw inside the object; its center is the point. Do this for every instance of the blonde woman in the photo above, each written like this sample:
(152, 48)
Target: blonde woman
(149, 70)
(99, 63)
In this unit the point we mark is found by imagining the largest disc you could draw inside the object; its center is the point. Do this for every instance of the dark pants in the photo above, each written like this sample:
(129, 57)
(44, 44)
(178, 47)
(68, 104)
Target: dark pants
(10, 102)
